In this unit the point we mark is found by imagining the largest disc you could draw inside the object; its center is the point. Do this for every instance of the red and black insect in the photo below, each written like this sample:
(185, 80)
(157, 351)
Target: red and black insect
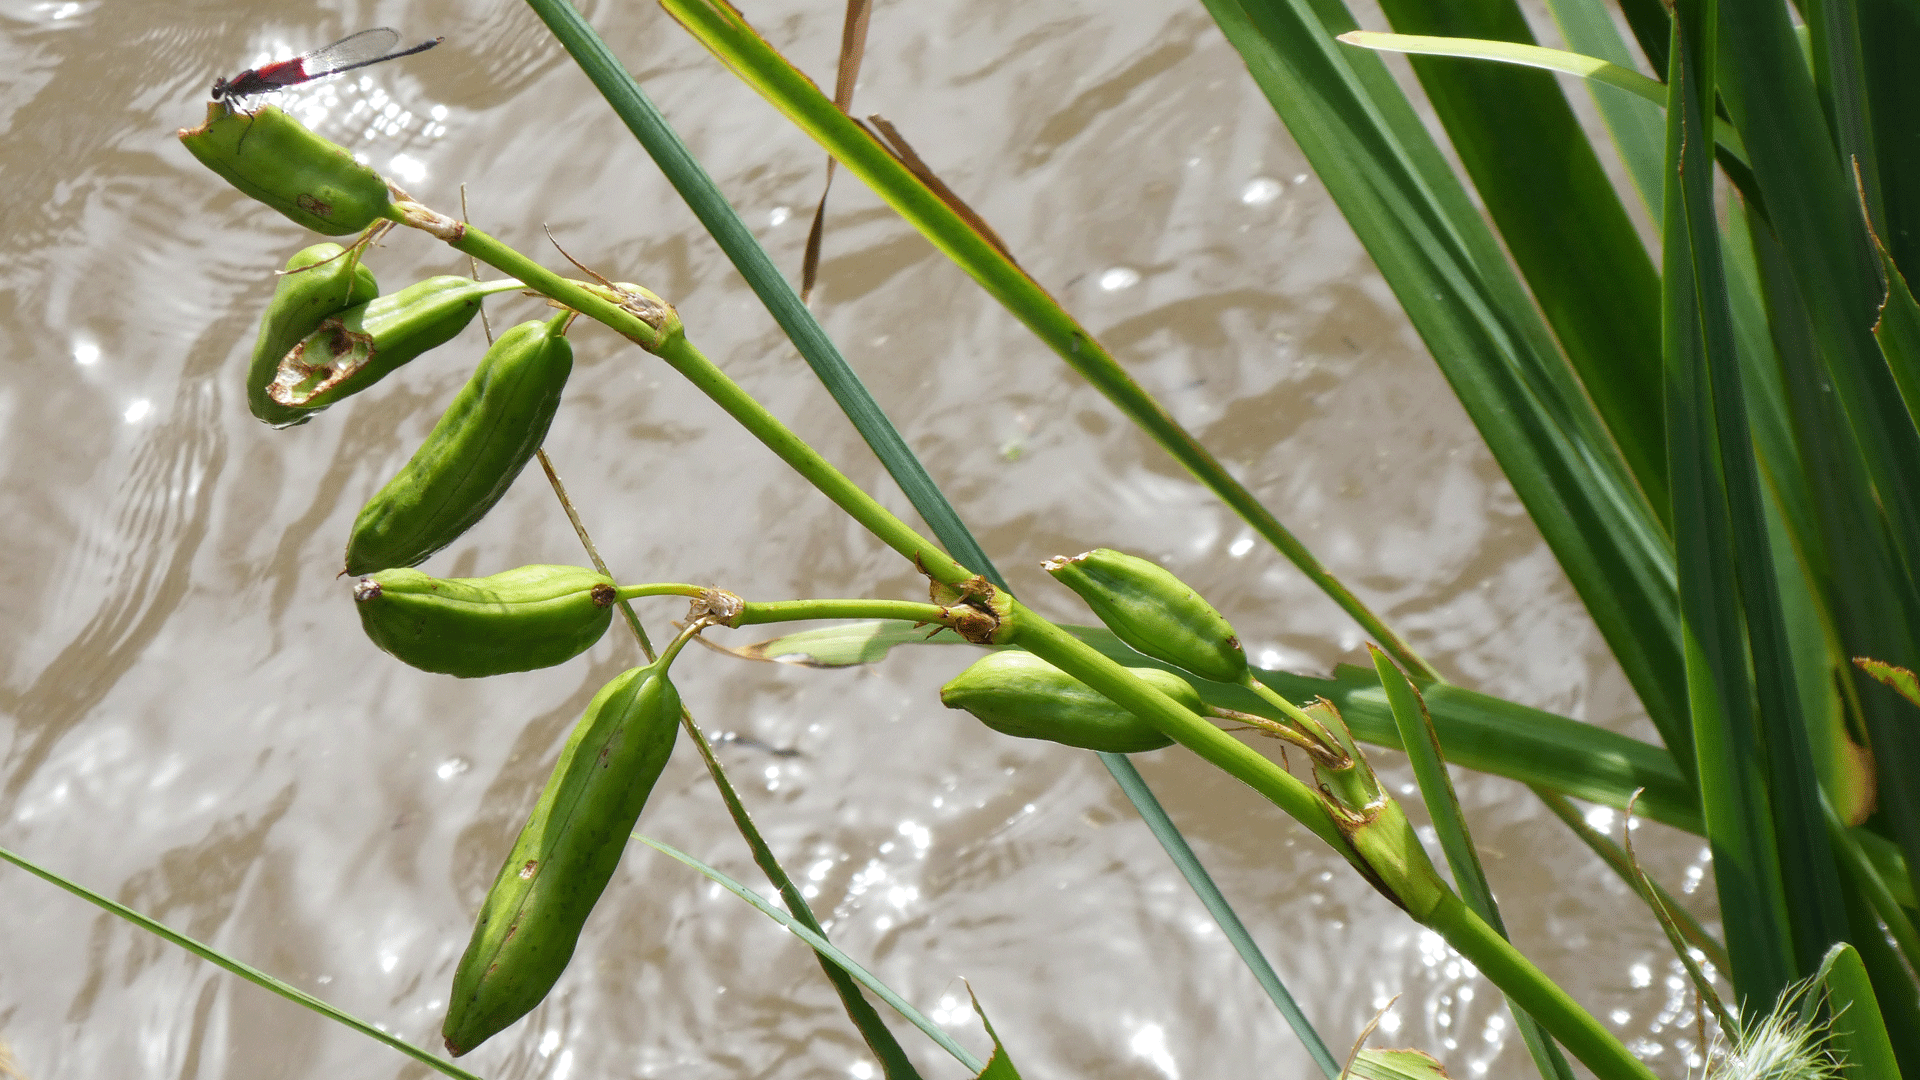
(358, 51)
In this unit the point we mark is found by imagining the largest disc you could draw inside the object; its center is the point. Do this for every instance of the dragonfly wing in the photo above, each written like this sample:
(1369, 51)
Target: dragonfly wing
(351, 51)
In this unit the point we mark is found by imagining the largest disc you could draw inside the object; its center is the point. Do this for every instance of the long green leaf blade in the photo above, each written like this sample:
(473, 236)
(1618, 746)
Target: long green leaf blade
(1733, 788)
(1859, 1030)
(1800, 168)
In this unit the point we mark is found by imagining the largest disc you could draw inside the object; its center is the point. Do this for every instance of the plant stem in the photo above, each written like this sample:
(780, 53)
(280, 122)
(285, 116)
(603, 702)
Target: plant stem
(1529, 987)
(665, 588)
(1300, 717)
(796, 610)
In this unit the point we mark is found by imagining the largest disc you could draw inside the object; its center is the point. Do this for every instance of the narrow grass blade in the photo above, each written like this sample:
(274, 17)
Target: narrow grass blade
(1450, 824)
(827, 950)
(245, 970)
(1592, 68)
(1656, 899)
(1600, 71)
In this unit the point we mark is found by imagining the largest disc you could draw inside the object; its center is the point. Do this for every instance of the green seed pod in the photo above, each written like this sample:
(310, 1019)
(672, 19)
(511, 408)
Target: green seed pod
(270, 156)
(320, 281)
(1017, 693)
(359, 346)
(516, 620)
(1153, 611)
(472, 455)
(531, 919)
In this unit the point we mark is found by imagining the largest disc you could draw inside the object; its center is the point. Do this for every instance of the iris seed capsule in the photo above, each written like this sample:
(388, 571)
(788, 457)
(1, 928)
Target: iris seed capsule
(531, 919)
(271, 157)
(1154, 612)
(1019, 694)
(320, 281)
(516, 620)
(472, 455)
(361, 345)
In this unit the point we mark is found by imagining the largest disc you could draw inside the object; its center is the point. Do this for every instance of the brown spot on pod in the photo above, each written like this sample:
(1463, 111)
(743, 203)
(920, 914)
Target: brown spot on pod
(526, 871)
(366, 589)
(603, 595)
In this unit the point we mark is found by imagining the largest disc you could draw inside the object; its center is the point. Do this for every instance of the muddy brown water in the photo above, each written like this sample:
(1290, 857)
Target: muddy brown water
(192, 722)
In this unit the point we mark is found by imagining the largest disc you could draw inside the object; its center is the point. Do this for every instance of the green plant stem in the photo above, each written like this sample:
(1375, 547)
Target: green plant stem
(1302, 719)
(1530, 988)
(795, 610)
(663, 588)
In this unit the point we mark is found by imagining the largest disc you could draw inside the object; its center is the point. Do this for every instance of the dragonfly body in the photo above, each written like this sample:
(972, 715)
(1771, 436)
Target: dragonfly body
(357, 51)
